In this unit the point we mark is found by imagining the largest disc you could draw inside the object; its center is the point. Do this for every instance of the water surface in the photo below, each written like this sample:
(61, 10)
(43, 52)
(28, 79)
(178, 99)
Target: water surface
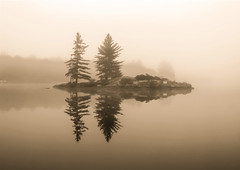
(46, 128)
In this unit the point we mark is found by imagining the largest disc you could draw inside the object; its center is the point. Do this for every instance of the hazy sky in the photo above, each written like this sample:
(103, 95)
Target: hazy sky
(195, 36)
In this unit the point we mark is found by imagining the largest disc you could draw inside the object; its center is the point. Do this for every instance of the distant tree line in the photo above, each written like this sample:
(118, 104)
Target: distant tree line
(107, 65)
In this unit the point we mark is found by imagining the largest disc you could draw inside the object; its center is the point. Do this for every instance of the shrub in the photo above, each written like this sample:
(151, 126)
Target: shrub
(126, 80)
(153, 84)
(146, 77)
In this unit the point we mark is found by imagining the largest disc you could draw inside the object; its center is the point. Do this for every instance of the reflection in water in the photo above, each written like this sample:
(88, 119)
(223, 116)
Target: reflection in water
(184, 134)
(139, 94)
(146, 95)
(108, 106)
(107, 110)
(77, 108)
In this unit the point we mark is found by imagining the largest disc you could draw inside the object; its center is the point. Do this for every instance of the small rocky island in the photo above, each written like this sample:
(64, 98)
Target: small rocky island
(139, 82)
(143, 88)
(109, 72)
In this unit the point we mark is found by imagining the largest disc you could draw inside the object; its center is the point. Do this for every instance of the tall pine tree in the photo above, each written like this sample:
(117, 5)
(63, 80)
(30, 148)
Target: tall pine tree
(106, 64)
(77, 66)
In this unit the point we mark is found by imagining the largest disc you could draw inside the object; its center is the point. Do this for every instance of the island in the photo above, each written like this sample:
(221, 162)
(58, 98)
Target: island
(139, 82)
(109, 74)
(142, 88)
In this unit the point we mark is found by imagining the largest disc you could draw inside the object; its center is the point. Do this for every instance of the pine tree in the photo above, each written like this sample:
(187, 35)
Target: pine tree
(77, 66)
(106, 64)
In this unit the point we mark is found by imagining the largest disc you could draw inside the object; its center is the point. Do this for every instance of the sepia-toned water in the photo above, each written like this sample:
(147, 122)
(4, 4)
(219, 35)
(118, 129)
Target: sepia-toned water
(43, 128)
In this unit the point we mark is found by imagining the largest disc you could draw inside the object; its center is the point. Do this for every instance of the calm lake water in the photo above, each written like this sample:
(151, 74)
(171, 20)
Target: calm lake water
(45, 128)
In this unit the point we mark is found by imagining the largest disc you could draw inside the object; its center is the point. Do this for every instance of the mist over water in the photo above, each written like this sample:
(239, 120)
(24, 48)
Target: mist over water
(198, 38)
(30, 70)
(129, 127)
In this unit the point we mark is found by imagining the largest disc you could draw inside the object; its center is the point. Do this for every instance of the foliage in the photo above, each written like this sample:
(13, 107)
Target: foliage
(146, 77)
(77, 66)
(126, 80)
(153, 84)
(106, 64)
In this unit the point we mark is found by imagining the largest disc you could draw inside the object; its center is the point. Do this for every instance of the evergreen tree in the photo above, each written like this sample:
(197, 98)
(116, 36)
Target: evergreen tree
(77, 66)
(107, 110)
(106, 64)
(77, 109)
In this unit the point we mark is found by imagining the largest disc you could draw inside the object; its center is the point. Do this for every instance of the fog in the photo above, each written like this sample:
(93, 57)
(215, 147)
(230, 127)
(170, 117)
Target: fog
(34, 70)
(195, 40)
(146, 122)
(31, 70)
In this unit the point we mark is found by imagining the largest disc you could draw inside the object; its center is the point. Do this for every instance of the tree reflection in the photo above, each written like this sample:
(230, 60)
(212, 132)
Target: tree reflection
(107, 107)
(78, 108)
(107, 110)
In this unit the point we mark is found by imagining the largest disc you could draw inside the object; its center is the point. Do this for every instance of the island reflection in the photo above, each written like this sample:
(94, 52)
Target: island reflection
(108, 106)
